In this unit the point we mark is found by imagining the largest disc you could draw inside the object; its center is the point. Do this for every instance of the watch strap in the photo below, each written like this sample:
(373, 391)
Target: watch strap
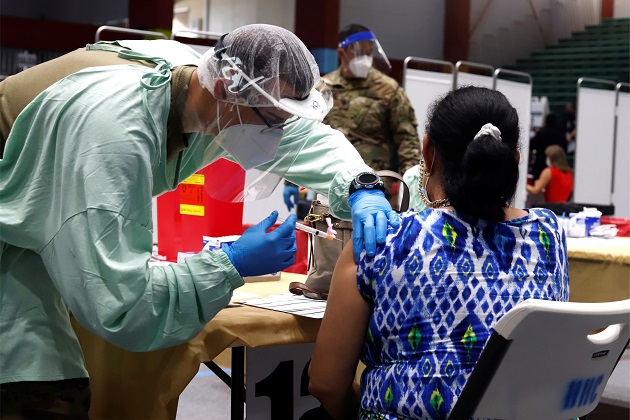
(404, 204)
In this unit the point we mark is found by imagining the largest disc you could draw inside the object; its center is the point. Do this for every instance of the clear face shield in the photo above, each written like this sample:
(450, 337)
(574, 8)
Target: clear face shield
(362, 51)
(266, 115)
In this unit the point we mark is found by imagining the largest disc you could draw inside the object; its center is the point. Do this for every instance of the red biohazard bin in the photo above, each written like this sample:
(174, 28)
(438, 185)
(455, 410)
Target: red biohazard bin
(189, 213)
(622, 224)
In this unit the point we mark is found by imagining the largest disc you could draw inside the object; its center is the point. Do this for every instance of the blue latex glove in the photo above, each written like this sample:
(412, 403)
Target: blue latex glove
(257, 252)
(371, 213)
(291, 195)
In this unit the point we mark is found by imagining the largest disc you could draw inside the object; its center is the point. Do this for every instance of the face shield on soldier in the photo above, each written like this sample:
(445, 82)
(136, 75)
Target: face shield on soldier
(362, 51)
(272, 97)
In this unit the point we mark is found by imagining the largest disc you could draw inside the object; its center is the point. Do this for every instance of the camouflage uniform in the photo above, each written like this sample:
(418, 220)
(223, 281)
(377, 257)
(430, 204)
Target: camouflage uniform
(376, 116)
(65, 399)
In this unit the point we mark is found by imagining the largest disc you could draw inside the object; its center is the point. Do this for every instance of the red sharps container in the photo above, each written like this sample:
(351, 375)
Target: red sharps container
(189, 213)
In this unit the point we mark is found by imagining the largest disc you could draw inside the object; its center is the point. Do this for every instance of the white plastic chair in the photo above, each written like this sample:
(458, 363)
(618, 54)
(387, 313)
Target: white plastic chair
(545, 360)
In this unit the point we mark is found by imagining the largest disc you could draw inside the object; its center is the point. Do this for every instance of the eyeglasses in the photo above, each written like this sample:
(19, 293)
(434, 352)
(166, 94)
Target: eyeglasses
(274, 121)
(301, 289)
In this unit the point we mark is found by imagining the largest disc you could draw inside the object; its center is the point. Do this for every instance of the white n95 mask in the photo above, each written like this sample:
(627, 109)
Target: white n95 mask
(250, 145)
(360, 66)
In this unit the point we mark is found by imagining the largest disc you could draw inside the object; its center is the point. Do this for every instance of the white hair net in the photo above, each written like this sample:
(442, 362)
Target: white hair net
(265, 65)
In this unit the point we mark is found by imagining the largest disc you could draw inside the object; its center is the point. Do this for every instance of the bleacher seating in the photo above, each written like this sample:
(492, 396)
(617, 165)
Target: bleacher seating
(599, 52)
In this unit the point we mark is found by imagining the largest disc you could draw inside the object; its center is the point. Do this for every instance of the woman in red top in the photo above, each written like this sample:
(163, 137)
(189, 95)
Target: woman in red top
(556, 180)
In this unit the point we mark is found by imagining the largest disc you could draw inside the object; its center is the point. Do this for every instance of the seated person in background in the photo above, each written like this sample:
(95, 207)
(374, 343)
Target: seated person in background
(550, 134)
(419, 313)
(556, 180)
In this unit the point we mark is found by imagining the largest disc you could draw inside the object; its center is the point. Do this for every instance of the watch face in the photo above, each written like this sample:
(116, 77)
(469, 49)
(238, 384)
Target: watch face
(367, 178)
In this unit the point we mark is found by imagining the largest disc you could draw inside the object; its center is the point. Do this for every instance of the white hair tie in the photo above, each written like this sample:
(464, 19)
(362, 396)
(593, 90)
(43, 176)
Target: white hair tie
(489, 130)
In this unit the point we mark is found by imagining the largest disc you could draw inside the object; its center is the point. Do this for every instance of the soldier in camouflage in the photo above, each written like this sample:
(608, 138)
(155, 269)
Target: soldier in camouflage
(64, 399)
(371, 109)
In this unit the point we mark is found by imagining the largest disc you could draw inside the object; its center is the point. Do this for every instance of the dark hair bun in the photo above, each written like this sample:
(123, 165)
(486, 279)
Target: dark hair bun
(480, 176)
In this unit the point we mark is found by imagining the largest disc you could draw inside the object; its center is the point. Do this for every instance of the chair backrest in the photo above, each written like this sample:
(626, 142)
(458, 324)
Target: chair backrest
(546, 360)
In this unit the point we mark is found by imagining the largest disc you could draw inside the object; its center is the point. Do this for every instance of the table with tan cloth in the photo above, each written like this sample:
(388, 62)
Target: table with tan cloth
(599, 269)
(128, 385)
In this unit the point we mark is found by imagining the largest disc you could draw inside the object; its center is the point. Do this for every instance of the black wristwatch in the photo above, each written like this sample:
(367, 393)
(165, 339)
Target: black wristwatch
(366, 180)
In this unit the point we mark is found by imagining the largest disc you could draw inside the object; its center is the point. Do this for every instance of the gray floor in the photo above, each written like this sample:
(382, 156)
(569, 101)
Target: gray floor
(617, 391)
(208, 398)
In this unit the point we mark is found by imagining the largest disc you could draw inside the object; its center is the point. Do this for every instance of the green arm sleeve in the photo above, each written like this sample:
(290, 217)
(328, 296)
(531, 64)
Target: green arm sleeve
(327, 163)
(98, 261)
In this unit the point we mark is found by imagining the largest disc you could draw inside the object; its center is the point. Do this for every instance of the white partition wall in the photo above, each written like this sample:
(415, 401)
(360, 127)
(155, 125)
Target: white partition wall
(520, 96)
(200, 41)
(463, 77)
(423, 87)
(595, 132)
(621, 179)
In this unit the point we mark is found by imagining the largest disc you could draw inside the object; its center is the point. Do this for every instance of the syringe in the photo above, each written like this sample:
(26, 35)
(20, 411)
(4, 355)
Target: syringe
(312, 231)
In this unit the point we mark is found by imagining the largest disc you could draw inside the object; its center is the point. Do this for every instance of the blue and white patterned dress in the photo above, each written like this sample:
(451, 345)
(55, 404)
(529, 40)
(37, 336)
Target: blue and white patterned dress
(437, 286)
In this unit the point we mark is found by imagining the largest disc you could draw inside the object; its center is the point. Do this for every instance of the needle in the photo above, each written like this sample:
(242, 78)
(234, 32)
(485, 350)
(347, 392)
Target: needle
(312, 231)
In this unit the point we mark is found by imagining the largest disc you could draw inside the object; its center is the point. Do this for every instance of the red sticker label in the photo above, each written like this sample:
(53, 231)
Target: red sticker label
(191, 194)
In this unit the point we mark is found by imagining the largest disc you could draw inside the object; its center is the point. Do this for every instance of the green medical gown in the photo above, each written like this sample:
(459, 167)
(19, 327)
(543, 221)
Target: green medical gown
(80, 167)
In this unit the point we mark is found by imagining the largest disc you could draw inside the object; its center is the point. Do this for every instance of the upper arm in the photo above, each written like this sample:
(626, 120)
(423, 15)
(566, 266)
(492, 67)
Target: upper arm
(327, 164)
(335, 360)
(542, 181)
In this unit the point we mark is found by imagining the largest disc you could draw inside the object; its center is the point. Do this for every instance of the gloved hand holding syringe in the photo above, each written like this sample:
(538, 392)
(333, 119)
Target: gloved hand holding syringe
(313, 231)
